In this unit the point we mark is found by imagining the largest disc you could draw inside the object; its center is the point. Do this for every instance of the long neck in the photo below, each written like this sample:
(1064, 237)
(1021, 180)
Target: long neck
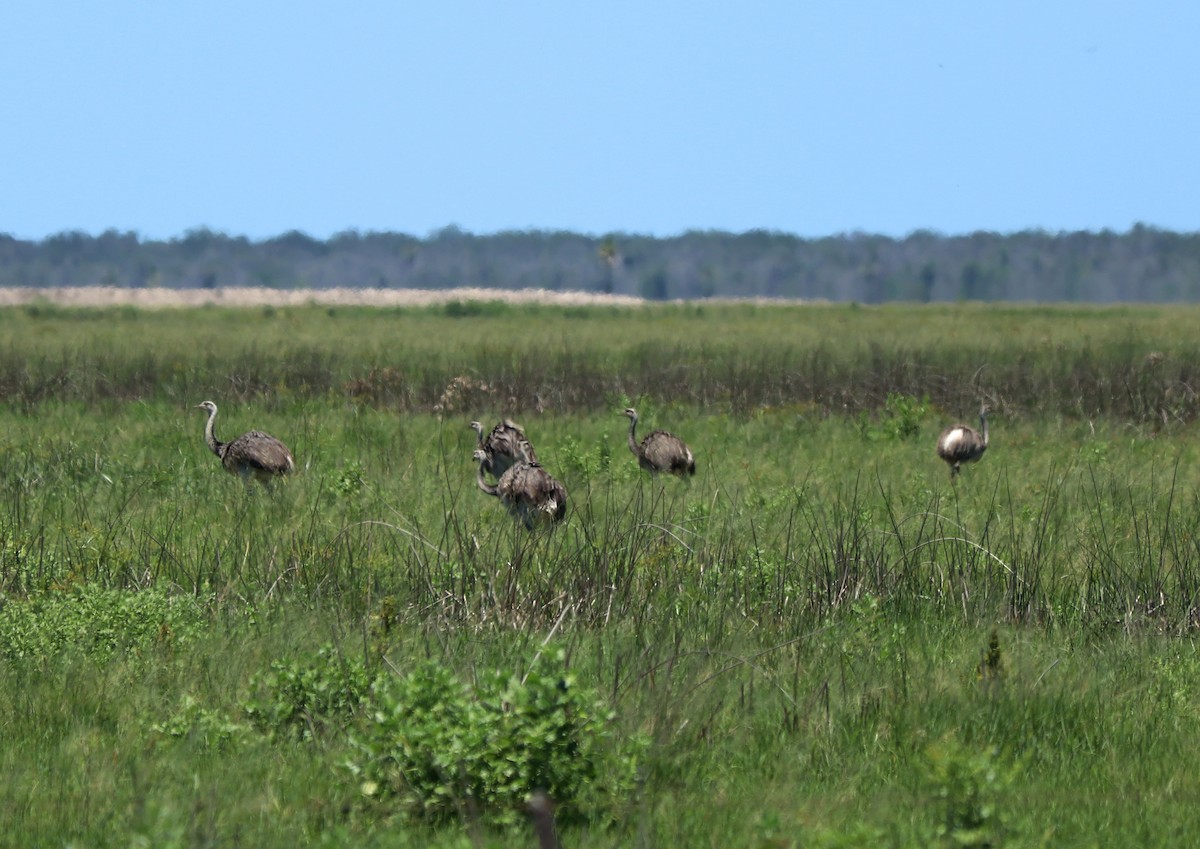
(633, 446)
(478, 428)
(481, 481)
(983, 426)
(210, 435)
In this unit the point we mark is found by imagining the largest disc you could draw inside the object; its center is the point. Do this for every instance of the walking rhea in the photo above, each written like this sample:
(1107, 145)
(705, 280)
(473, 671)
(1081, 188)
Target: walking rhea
(960, 444)
(530, 493)
(660, 451)
(254, 454)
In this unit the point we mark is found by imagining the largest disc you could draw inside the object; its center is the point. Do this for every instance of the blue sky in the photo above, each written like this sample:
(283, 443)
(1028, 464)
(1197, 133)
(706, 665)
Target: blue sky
(256, 118)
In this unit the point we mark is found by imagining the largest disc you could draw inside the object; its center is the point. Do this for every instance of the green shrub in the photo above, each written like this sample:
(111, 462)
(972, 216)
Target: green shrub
(300, 699)
(584, 463)
(903, 415)
(210, 727)
(900, 419)
(98, 622)
(436, 747)
(968, 787)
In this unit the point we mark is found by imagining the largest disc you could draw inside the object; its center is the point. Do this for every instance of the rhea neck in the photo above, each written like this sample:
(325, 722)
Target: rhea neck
(633, 446)
(983, 426)
(210, 435)
(481, 481)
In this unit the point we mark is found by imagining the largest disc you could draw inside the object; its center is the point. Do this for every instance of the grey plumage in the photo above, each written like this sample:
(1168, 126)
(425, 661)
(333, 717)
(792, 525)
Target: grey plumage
(530, 493)
(660, 451)
(505, 446)
(254, 454)
(960, 444)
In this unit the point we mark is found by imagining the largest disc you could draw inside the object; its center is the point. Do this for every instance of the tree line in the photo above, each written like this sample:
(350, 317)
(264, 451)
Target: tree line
(1144, 264)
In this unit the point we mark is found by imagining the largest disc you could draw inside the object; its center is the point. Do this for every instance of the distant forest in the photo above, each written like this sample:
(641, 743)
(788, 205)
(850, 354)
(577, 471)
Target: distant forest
(1142, 265)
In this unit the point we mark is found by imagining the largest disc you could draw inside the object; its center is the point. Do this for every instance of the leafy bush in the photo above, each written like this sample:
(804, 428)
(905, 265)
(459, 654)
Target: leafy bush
(900, 419)
(298, 699)
(98, 622)
(904, 414)
(211, 727)
(581, 462)
(436, 747)
(968, 785)
(349, 483)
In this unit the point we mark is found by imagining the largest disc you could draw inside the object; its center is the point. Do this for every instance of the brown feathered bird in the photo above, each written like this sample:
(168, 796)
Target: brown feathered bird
(530, 493)
(505, 446)
(252, 455)
(660, 451)
(960, 444)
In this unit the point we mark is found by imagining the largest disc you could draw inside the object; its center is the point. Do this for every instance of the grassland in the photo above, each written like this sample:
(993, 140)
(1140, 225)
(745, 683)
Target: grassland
(817, 641)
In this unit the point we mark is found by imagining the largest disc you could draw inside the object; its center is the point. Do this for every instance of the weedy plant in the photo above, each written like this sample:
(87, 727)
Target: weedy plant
(439, 749)
(301, 699)
(98, 622)
(970, 787)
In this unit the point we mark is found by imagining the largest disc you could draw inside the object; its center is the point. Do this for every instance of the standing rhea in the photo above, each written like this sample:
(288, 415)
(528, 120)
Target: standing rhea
(505, 446)
(254, 454)
(529, 492)
(660, 451)
(960, 444)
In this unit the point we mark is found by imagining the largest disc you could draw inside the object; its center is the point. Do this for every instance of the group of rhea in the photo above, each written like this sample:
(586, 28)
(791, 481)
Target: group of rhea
(529, 492)
(524, 487)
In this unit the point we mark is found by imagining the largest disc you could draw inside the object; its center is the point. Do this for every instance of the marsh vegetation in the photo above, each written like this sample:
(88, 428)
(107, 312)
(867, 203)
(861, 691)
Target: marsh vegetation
(817, 640)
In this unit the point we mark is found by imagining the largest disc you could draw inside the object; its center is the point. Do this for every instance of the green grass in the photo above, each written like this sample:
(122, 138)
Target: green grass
(796, 646)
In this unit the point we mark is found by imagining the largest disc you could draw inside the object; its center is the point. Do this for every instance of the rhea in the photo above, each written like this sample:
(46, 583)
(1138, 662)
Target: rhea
(660, 451)
(960, 444)
(530, 493)
(255, 454)
(505, 446)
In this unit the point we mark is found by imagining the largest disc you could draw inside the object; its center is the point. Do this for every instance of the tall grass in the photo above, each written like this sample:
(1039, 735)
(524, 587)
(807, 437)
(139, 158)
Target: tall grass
(820, 639)
(1130, 364)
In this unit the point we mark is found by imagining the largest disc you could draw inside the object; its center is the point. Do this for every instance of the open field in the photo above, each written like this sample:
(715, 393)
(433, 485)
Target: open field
(816, 641)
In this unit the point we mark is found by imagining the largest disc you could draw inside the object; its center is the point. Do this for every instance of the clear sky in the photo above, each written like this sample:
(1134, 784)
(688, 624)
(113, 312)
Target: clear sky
(813, 118)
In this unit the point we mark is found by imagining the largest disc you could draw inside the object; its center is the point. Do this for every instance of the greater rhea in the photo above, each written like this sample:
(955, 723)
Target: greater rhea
(660, 451)
(505, 446)
(530, 493)
(960, 444)
(252, 455)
